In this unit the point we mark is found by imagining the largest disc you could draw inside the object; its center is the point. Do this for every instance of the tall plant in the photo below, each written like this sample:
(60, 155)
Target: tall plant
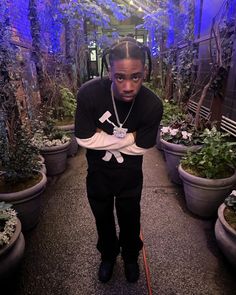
(36, 46)
(9, 113)
(17, 155)
(184, 66)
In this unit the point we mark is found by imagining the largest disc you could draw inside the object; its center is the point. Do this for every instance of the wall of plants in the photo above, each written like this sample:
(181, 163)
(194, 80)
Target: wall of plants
(51, 39)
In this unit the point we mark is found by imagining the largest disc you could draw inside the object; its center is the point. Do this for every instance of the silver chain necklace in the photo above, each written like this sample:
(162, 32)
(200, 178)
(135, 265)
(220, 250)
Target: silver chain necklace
(120, 132)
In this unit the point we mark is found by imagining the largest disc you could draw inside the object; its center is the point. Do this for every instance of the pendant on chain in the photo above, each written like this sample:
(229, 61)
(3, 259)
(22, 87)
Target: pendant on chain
(119, 131)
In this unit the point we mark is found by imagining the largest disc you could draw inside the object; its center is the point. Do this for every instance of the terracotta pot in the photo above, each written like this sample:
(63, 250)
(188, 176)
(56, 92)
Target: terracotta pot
(73, 147)
(173, 154)
(55, 158)
(204, 196)
(225, 236)
(27, 203)
(12, 253)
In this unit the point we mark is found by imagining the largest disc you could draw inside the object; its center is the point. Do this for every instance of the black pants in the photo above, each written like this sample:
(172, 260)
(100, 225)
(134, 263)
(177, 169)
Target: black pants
(122, 187)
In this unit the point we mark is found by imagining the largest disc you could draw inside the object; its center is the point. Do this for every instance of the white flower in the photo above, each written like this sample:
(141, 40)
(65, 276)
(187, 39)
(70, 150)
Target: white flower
(9, 227)
(186, 135)
(165, 130)
(233, 193)
(174, 131)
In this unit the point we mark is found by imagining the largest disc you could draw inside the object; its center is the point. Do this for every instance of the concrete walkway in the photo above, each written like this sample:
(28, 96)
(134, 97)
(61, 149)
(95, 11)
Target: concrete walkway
(61, 258)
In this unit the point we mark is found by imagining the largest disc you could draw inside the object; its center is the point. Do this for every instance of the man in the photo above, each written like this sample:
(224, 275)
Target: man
(117, 121)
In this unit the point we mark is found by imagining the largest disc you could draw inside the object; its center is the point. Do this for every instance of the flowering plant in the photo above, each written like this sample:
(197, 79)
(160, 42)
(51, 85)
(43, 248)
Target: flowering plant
(185, 134)
(176, 135)
(230, 211)
(8, 221)
(215, 159)
(182, 130)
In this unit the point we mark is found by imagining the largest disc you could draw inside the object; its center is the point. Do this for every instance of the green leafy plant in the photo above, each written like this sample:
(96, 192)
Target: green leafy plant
(216, 158)
(171, 112)
(18, 157)
(230, 210)
(45, 132)
(8, 221)
(67, 104)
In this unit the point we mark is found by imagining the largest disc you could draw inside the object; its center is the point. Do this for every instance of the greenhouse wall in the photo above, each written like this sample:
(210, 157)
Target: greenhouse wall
(52, 42)
(210, 10)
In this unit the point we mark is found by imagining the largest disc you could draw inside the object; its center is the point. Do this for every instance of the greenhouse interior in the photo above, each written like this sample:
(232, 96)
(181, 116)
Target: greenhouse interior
(89, 204)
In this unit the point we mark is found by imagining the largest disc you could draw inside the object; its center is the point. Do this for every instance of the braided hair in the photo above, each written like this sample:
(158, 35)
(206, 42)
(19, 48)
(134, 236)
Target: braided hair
(124, 48)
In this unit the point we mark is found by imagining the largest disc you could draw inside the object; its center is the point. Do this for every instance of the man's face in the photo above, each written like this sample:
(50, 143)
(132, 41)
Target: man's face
(127, 77)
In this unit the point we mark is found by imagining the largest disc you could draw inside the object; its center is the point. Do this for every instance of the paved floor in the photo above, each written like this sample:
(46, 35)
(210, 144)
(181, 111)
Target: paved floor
(181, 251)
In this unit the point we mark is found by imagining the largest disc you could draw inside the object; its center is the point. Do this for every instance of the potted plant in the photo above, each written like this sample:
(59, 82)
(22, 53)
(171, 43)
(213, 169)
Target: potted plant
(52, 142)
(176, 139)
(209, 175)
(225, 228)
(64, 114)
(12, 243)
(65, 110)
(171, 111)
(21, 182)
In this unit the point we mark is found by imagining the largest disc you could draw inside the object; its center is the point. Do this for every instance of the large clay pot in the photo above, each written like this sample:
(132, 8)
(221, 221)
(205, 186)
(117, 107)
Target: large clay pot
(173, 154)
(12, 253)
(73, 147)
(27, 203)
(225, 236)
(55, 158)
(204, 196)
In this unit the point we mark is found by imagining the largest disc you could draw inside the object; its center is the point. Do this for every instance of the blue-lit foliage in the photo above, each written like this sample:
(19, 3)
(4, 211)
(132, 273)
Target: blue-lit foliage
(119, 12)
(3, 10)
(231, 10)
(171, 9)
(165, 21)
(50, 21)
(77, 10)
(18, 13)
(156, 24)
(51, 25)
(197, 19)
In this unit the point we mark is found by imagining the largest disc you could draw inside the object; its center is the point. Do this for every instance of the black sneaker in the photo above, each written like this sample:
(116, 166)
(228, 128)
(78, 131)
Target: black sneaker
(105, 271)
(132, 271)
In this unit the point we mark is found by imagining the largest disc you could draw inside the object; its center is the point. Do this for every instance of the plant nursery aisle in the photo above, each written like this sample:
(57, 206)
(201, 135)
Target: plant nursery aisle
(181, 251)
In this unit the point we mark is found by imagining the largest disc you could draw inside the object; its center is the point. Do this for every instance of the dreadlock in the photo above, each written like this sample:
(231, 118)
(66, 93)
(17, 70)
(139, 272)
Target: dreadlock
(127, 47)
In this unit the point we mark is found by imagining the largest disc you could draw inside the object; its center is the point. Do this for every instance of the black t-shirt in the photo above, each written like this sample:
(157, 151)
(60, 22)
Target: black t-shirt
(94, 99)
